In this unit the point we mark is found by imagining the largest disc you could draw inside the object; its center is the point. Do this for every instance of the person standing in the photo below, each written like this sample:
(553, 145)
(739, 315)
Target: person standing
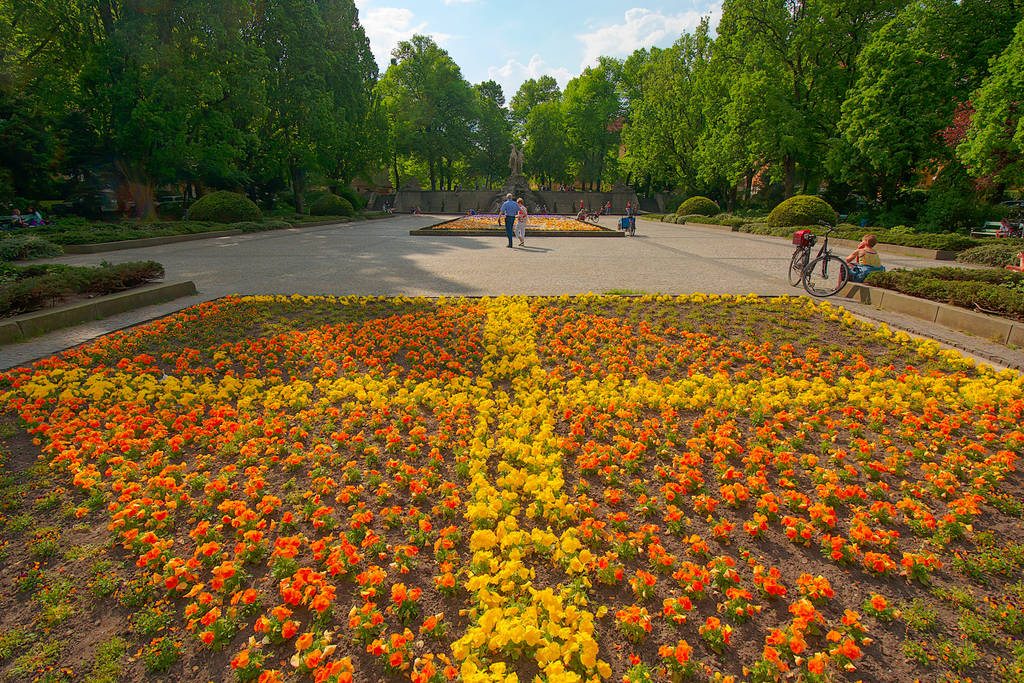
(510, 210)
(521, 222)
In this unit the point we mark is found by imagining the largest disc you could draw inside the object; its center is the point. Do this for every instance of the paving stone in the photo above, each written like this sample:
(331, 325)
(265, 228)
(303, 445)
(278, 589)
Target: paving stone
(379, 257)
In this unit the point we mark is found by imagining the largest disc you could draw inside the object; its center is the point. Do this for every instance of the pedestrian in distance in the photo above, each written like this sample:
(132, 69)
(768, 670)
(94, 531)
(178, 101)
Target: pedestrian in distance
(509, 211)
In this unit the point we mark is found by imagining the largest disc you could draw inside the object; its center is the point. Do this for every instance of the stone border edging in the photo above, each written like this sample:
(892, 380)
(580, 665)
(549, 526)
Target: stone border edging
(604, 232)
(500, 231)
(22, 327)
(99, 247)
(1000, 330)
(934, 254)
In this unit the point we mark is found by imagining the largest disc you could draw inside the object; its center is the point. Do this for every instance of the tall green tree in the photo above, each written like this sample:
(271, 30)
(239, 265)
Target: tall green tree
(665, 90)
(805, 50)
(320, 76)
(430, 108)
(994, 144)
(492, 133)
(593, 113)
(545, 149)
(532, 92)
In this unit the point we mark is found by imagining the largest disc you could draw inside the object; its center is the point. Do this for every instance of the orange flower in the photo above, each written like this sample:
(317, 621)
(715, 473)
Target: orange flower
(289, 629)
(304, 641)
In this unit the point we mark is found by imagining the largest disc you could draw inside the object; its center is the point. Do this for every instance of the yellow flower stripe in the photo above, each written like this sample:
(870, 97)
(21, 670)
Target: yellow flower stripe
(512, 618)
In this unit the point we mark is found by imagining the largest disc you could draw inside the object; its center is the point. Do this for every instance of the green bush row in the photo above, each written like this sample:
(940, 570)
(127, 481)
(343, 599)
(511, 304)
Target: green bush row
(991, 291)
(28, 288)
(74, 230)
(940, 241)
(1003, 252)
(25, 247)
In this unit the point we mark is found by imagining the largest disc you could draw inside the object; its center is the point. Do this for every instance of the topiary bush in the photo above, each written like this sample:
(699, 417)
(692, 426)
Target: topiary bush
(224, 207)
(331, 205)
(698, 206)
(802, 209)
(354, 198)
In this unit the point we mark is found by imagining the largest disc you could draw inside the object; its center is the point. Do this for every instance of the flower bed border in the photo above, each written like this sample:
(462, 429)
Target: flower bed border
(993, 328)
(499, 232)
(22, 327)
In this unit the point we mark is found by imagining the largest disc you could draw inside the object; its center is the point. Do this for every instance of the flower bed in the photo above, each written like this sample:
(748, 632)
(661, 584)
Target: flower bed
(582, 488)
(534, 223)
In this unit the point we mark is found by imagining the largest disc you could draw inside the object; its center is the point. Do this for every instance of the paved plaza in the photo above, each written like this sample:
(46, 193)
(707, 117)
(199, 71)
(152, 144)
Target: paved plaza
(379, 257)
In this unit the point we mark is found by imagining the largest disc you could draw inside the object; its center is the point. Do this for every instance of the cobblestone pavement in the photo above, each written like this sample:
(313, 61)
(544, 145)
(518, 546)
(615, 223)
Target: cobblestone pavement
(379, 257)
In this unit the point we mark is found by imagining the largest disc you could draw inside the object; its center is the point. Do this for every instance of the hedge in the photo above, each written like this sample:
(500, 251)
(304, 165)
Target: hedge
(1002, 253)
(947, 241)
(26, 289)
(989, 290)
(701, 206)
(224, 207)
(82, 231)
(25, 247)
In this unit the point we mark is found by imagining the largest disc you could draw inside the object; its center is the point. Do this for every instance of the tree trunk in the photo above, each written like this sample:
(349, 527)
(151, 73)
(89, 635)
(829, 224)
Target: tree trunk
(789, 170)
(748, 185)
(299, 188)
(394, 167)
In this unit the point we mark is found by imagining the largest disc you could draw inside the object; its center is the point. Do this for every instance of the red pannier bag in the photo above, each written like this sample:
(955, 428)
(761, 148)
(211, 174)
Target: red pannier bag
(803, 238)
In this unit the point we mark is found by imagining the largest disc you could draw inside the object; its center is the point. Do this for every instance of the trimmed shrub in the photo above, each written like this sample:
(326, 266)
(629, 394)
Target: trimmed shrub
(802, 209)
(224, 207)
(698, 206)
(353, 197)
(331, 205)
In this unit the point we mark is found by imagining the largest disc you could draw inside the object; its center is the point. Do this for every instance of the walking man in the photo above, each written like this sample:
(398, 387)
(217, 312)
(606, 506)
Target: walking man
(510, 209)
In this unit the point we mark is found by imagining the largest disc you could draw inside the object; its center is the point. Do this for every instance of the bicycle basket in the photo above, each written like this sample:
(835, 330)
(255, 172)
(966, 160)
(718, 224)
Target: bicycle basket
(804, 238)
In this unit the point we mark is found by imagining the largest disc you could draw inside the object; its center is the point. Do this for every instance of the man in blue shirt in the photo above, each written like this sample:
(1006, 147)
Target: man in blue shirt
(510, 209)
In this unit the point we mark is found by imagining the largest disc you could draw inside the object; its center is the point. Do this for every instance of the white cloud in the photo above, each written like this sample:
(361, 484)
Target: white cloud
(387, 26)
(512, 73)
(459, 2)
(641, 28)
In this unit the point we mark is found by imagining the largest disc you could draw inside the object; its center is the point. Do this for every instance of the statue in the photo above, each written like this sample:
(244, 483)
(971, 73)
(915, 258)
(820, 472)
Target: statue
(515, 161)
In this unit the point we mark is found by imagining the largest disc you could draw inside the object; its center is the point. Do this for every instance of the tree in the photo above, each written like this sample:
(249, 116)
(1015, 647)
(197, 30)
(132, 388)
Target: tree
(430, 107)
(593, 113)
(995, 139)
(665, 116)
(532, 92)
(806, 51)
(545, 150)
(320, 75)
(492, 133)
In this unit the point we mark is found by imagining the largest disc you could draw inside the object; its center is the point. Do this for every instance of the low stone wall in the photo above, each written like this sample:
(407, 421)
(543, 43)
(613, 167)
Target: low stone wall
(488, 201)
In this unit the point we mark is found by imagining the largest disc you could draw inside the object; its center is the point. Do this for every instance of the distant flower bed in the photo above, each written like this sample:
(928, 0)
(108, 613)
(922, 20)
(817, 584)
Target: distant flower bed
(490, 222)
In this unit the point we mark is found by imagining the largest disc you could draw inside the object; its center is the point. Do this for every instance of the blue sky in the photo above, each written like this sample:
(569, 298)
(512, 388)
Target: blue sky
(510, 42)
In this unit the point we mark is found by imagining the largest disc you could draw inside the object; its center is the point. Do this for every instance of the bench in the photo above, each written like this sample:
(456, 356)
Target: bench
(996, 229)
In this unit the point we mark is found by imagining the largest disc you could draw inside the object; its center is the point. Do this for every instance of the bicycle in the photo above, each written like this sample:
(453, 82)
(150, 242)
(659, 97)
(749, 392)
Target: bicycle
(825, 274)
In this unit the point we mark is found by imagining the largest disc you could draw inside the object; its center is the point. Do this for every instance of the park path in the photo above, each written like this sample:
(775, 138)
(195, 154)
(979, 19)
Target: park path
(379, 257)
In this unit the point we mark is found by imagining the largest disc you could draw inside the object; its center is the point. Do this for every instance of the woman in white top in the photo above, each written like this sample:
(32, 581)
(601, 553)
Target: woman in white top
(521, 222)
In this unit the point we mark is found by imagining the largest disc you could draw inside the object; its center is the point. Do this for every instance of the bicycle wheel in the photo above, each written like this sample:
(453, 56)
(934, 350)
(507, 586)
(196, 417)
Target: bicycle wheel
(826, 275)
(796, 266)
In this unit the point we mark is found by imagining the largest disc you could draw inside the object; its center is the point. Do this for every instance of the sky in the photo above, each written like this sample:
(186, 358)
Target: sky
(513, 41)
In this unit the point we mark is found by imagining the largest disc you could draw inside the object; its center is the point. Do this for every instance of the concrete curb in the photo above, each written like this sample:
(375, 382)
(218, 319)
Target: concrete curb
(934, 254)
(22, 327)
(174, 239)
(1000, 330)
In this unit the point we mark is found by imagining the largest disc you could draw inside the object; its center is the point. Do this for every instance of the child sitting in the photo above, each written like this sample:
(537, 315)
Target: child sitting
(864, 259)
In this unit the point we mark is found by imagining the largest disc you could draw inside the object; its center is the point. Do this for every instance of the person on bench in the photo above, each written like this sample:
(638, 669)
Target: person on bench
(864, 259)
